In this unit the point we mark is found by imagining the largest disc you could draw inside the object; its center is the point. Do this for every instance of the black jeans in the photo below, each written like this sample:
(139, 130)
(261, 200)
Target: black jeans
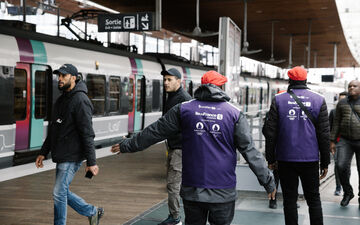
(197, 213)
(346, 150)
(308, 172)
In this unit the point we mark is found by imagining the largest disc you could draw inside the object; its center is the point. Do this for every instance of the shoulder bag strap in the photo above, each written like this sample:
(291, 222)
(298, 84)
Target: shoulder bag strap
(352, 108)
(308, 114)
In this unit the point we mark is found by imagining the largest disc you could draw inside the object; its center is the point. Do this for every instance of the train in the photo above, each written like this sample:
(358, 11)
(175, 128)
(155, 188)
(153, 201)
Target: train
(125, 88)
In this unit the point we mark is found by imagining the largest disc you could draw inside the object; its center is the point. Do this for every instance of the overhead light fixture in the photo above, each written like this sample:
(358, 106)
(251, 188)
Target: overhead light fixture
(93, 4)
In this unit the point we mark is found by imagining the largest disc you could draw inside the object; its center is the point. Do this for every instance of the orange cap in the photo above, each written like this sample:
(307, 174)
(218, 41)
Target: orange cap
(213, 77)
(297, 73)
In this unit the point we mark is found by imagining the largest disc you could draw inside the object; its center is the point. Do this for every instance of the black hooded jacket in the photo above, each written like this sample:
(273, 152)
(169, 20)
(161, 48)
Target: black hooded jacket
(173, 99)
(71, 136)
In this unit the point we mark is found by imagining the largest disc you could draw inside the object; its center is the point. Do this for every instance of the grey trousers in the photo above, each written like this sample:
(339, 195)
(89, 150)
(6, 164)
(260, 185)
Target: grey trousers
(174, 170)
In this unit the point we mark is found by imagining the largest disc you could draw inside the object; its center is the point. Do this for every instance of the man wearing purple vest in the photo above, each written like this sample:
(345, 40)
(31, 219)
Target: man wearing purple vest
(298, 144)
(212, 129)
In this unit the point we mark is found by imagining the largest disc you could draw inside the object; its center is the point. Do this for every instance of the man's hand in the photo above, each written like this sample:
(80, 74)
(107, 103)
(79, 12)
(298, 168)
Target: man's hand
(93, 169)
(272, 195)
(39, 161)
(332, 147)
(115, 148)
(323, 173)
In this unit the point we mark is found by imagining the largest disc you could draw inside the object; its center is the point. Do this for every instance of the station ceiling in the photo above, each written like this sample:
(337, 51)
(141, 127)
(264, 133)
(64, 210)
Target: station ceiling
(292, 18)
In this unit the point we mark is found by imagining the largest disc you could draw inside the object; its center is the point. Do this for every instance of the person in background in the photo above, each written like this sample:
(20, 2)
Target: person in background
(71, 140)
(331, 120)
(272, 167)
(175, 94)
(212, 130)
(347, 126)
(299, 155)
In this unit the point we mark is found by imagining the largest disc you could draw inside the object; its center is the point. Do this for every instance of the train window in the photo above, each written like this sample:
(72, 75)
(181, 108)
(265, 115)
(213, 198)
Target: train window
(6, 95)
(124, 99)
(40, 94)
(131, 94)
(114, 94)
(96, 92)
(190, 89)
(156, 95)
(161, 94)
(266, 96)
(149, 92)
(138, 95)
(20, 94)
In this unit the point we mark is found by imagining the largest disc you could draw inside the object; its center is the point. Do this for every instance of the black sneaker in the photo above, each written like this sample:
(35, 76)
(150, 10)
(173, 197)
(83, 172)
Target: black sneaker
(272, 204)
(346, 199)
(94, 220)
(171, 221)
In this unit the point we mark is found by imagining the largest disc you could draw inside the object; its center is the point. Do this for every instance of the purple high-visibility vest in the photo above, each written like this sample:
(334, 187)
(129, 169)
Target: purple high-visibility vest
(297, 141)
(208, 151)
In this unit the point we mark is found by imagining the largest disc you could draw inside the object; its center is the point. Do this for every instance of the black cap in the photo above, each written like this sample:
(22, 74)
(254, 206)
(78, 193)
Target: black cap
(171, 72)
(67, 69)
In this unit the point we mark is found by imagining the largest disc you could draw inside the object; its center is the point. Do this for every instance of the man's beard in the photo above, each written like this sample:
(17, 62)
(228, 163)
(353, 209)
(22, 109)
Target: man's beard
(65, 86)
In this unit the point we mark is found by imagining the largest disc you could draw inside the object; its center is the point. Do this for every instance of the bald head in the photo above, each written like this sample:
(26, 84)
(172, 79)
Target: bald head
(354, 89)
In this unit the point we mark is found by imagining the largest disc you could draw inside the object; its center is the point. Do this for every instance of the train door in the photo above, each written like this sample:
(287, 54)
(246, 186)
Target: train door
(135, 117)
(22, 105)
(38, 103)
(30, 104)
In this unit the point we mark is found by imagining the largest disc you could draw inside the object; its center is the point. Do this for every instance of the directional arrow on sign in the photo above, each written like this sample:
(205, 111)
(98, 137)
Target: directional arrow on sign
(145, 26)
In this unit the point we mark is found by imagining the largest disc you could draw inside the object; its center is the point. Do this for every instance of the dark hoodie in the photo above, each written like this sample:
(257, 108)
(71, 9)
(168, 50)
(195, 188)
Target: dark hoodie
(170, 124)
(71, 136)
(173, 99)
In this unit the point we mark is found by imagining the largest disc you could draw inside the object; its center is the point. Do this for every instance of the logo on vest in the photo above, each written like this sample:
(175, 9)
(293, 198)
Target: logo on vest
(292, 114)
(206, 107)
(303, 115)
(215, 127)
(219, 116)
(199, 128)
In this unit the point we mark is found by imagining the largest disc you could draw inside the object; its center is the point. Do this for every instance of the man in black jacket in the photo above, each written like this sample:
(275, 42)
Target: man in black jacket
(331, 121)
(176, 94)
(71, 140)
(298, 156)
(347, 126)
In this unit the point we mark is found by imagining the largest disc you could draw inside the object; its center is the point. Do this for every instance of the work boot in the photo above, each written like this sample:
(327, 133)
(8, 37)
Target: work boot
(346, 199)
(94, 220)
(272, 204)
(171, 221)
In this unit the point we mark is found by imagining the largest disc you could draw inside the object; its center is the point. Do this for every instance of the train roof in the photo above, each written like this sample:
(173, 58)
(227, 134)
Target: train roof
(7, 30)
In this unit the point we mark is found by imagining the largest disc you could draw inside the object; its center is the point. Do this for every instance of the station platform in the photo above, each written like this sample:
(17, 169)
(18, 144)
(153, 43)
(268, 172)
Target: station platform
(132, 189)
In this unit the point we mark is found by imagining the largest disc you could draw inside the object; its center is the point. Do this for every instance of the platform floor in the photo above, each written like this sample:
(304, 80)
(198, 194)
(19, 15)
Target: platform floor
(132, 189)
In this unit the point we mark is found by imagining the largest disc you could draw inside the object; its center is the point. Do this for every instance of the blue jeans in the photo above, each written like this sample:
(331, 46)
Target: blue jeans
(336, 171)
(346, 150)
(65, 173)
